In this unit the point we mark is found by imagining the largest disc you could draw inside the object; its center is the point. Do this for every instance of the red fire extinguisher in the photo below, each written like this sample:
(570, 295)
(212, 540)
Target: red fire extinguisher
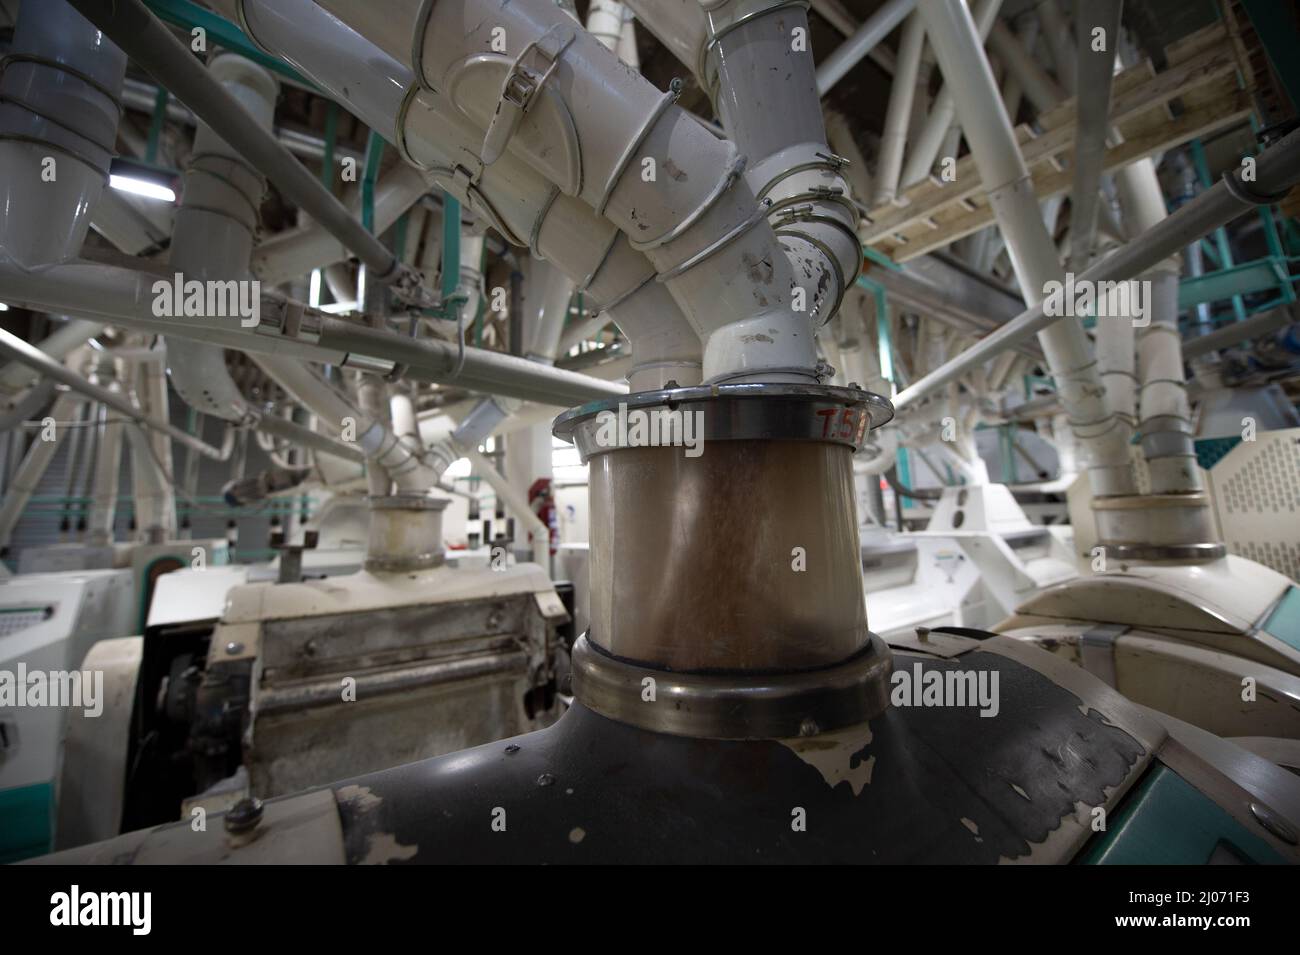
(541, 497)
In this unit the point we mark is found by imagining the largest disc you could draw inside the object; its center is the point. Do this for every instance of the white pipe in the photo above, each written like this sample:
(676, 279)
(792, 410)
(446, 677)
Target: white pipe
(34, 465)
(849, 53)
(159, 511)
(700, 225)
(108, 470)
(401, 459)
(627, 50)
(517, 504)
(510, 194)
(1056, 28)
(760, 75)
(1043, 91)
(548, 294)
(214, 232)
(605, 22)
(1165, 422)
(893, 140)
(1011, 194)
(679, 25)
(72, 334)
(943, 111)
(1092, 112)
(295, 252)
(582, 331)
(58, 131)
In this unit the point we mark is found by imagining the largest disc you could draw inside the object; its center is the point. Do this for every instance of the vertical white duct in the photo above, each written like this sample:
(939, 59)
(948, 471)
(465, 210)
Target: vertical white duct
(214, 233)
(1010, 191)
(1165, 422)
(59, 108)
(759, 72)
(893, 141)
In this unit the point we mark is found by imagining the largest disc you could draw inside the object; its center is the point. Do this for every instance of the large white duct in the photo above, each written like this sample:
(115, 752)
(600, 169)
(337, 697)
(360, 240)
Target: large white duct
(519, 202)
(595, 130)
(761, 73)
(59, 108)
(213, 238)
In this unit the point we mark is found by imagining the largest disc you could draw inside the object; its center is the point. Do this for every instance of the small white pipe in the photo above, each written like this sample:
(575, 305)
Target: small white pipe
(72, 334)
(893, 140)
(108, 471)
(627, 49)
(1056, 28)
(849, 53)
(159, 513)
(1043, 91)
(518, 505)
(295, 252)
(605, 22)
(929, 143)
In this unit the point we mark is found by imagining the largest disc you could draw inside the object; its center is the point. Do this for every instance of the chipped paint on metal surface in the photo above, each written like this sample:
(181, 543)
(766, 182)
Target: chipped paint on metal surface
(360, 797)
(384, 848)
(837, 756)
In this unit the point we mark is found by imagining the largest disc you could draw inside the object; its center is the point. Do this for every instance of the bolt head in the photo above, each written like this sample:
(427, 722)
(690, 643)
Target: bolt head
(244, 816)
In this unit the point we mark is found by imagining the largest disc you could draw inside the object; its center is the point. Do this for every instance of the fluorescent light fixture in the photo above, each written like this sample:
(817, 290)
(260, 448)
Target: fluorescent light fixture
(3, 307)
(141, 187)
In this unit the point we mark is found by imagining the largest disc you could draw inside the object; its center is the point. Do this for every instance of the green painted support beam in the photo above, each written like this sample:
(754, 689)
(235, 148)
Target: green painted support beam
(450, 244)
(1234, 282)
(374, 156)
(156, 125)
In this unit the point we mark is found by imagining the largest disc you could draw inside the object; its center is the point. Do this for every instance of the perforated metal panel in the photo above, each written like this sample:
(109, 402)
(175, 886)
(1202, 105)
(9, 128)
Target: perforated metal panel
(14, 619)
(1257, 498)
